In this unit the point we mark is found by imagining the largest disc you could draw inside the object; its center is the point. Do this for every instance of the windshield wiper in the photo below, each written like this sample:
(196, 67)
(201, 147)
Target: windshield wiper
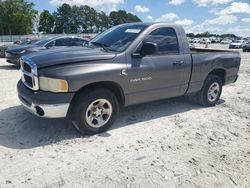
(104, 46)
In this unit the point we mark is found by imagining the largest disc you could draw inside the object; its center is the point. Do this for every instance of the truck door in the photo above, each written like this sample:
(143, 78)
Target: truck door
(161, 75)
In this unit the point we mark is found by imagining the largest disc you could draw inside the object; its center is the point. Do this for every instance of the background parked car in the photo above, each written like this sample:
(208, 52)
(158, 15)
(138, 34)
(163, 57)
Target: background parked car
(226, 41)
(246, 47)
(191, 45)
(237, 44)
(196, 40)
(205, 40)
(22, 41)
(215, 40)
(13, 54)
(3, 48)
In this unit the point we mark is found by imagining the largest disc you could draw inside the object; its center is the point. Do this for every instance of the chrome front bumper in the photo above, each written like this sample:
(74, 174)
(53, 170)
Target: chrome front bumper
(47, 110)
(44, 104)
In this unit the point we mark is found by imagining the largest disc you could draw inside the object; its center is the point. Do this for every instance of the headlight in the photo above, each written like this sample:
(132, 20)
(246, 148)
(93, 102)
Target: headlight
(53, 85)
(23, 51)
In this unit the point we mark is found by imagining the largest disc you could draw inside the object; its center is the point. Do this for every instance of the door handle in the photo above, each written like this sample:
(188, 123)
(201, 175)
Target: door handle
(178, 63)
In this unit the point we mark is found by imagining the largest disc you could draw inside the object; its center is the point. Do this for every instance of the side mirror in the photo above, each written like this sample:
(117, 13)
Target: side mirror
(148, 48)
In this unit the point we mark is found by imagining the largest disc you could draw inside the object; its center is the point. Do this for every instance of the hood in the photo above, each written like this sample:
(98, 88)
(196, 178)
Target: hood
(52, 57)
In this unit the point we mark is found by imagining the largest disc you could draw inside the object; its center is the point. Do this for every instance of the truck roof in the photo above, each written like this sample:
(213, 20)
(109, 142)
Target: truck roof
(153, 23)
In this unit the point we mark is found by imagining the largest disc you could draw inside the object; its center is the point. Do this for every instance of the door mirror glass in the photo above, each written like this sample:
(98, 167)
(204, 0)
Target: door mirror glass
(148, 48)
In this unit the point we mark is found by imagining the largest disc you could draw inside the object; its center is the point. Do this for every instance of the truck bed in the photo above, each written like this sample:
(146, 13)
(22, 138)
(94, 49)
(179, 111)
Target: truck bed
(206, 60)
(206, 50)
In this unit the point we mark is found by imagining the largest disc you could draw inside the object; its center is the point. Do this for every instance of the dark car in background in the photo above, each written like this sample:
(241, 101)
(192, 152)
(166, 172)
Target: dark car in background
(23, 41)
(3, 48)
(246, 47)
(26, 41)
(13, 54)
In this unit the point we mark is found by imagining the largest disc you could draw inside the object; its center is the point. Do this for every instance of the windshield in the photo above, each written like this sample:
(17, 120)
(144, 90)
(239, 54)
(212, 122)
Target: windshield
(42, 42)
(118, 38)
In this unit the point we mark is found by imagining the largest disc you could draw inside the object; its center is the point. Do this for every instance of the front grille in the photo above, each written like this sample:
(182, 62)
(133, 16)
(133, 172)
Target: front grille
(28, 79)
(29, 73)
(26, 67)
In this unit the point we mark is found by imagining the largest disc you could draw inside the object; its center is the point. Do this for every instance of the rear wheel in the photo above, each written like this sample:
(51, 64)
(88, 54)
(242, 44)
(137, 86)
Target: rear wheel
(95, 111)
(211, 91)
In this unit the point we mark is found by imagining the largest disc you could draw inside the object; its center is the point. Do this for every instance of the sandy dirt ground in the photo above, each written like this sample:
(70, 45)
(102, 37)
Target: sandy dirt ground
(169, 143)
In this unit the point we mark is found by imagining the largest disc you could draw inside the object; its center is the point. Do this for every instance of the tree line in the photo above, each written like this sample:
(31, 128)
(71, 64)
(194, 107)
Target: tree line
(208, 34)
(17, 17)
(83, 19)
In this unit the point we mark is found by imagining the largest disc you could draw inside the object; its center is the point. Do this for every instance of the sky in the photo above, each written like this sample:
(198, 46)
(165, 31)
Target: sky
(215, 16)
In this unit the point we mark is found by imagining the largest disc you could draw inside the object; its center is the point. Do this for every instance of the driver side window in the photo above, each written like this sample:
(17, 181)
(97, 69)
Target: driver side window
(166, 40)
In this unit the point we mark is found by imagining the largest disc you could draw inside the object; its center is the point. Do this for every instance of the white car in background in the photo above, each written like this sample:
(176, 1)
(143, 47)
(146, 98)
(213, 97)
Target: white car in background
(191, 45)
(226, 41)
(205, 40)
(237, 44)
(196, 40)
(215, 40)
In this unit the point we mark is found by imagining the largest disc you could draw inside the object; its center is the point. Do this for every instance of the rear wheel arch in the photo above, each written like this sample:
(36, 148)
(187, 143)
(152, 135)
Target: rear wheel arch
(220, 73)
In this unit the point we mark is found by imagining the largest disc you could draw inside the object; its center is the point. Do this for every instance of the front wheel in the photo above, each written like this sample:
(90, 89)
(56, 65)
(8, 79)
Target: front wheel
(95, 111)
(211, 91)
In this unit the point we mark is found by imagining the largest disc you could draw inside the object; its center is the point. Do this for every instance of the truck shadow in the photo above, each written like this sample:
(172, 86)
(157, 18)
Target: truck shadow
(21, 130)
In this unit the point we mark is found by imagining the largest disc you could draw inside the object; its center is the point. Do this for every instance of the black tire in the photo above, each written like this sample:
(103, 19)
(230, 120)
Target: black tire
(244, 50)
(203, 96)
(81, 104)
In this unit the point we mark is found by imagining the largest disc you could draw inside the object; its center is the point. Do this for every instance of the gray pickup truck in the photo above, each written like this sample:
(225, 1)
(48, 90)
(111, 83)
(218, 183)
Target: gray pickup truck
(125, 65)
